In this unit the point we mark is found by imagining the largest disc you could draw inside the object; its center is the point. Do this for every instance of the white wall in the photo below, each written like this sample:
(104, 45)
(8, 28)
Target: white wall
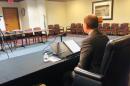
(24, 20)
(56, 13)
(35, 11)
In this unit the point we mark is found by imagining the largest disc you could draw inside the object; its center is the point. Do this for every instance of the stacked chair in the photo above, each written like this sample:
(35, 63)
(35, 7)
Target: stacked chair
(114, 68)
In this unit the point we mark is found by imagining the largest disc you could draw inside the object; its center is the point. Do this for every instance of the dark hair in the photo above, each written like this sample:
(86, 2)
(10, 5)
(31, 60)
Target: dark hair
(92, 21)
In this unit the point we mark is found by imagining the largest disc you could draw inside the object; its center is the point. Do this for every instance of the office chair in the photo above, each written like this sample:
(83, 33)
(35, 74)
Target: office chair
(114, 68)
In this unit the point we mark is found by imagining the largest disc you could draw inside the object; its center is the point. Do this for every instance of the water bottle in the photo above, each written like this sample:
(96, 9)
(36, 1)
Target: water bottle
(45, 57)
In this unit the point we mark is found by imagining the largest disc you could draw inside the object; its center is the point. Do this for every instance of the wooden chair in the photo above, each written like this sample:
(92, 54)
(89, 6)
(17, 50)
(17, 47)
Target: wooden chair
(19, 36)
(123, 29)
(71, 28)
(51, 29)
(79, 28)
(106, 28)
(114, 27)
(37, 34)
(58, 29)
(28, 36)
(100, 27)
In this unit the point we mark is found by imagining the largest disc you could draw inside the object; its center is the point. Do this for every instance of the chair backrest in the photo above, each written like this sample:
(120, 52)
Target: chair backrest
(28, 30)
(56, 26)
(100, 26)
(78, 25)
(116, 62)
(106, 25)
(73, 25)
(124, 26)
(37, 28)
(50, 26)
(114, 26)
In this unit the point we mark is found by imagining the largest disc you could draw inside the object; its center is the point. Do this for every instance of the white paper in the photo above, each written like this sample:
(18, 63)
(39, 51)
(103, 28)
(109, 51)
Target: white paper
(53, 59)
(72, 45)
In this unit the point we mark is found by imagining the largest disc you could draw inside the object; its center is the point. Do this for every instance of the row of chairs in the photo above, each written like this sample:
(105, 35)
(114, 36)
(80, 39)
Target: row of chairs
(55, 29)
(105, 28)
(23, 37)
(75, 28)
(114, 28)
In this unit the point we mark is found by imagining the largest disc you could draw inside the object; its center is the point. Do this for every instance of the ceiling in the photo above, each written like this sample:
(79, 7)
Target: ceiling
(14, 0)
(22, 0)
(58, 0)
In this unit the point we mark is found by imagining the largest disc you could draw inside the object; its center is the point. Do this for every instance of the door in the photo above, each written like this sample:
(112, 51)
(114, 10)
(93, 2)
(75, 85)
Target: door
(11, 18)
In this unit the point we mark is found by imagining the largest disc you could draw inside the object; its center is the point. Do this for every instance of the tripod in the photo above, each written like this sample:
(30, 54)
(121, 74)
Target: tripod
(3, 47)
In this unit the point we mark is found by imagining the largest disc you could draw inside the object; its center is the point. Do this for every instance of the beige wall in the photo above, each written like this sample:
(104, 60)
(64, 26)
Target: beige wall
(76, 10)
(121, 11)
(56, 13)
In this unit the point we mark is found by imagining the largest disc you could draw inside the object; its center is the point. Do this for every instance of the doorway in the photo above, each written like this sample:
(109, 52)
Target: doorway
(11, 18)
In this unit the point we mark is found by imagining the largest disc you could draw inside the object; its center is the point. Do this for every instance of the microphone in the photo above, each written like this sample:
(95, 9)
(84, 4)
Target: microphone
(61, 36)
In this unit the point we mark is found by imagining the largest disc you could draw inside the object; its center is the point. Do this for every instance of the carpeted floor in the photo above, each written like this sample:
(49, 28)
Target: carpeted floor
(42, 46)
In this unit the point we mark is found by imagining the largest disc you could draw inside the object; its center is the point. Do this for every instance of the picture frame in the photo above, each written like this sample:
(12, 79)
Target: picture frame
(103, 9)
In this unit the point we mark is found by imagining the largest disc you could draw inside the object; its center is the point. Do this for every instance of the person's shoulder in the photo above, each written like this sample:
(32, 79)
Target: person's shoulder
(87, 40)
(105, 37)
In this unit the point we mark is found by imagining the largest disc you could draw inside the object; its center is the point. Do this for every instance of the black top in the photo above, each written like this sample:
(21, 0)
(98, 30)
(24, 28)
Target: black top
(92, 51)
(21, 66)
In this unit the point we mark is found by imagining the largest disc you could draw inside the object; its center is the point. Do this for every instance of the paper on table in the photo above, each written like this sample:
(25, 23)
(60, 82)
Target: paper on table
(72, 45)
(53, 58)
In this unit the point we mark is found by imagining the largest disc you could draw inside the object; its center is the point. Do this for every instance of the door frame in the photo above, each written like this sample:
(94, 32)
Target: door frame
(16, 16)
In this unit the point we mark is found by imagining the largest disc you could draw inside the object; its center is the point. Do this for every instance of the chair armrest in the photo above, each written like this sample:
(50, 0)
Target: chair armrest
(68, 27)
(88, 74)
(61, 27)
